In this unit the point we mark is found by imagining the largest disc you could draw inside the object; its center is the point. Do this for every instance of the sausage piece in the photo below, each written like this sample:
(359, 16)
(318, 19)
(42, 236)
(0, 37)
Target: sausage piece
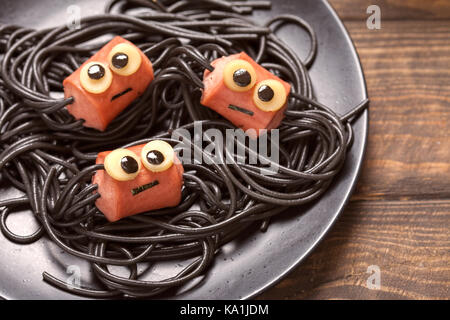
(239, 107)
(99, 109)
(148, 191)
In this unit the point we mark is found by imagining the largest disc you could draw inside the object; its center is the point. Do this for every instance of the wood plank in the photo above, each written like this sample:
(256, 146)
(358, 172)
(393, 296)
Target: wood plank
(399, 218)
(409, 241)
(394, 9)
(407, 71)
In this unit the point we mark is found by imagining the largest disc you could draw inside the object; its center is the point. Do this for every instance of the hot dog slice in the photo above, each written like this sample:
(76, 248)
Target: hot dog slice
(245, 93)
(108, 83)
(144, 191)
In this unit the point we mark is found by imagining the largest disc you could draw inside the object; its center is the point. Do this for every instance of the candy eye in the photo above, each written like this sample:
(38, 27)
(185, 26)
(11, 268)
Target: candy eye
(239, 76)
(125, 59)
(95, 77)
(122, 165)
(157, 156)
(270, 95)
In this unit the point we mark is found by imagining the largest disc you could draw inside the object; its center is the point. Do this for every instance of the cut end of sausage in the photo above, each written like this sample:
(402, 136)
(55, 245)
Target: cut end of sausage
(118, 200)
(238, 107)
(98, 110)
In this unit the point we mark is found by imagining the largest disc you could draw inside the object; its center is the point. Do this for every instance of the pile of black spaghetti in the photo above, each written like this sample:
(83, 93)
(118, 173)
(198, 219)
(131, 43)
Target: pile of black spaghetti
(50, 157)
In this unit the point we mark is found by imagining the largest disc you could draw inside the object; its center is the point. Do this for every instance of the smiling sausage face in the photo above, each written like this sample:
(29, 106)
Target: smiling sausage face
(107, 83)
(139, 179)
(245, 93)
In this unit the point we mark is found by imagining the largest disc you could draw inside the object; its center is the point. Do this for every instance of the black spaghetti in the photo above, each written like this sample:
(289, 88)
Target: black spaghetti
(50, 156)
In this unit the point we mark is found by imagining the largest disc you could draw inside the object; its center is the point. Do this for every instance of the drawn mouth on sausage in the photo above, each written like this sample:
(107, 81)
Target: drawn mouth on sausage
(121, 94)
(145, 187)
(242, 110)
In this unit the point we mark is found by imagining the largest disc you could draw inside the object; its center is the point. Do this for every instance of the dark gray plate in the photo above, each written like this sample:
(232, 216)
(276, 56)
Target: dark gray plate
(247, 266)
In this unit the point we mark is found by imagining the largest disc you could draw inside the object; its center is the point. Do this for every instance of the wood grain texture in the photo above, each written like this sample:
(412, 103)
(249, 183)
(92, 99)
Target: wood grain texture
(408, 240)
(399, 216)
(407, 71)
(394, 9)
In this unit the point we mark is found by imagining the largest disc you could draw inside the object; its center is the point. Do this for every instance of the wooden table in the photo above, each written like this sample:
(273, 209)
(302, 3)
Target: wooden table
(399, 216)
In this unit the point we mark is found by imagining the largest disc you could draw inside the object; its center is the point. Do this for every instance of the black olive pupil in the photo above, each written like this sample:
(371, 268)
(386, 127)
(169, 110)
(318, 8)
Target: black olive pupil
(129, 165)
(242, 78)
(155, 157)
(96, 72)
(265, 93)
(120, 60)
